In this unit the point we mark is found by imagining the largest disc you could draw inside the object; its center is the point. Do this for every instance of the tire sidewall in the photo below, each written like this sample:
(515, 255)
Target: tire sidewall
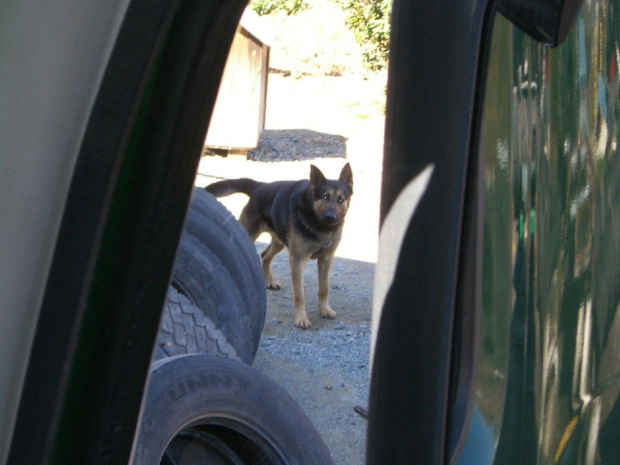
(203, 389)
(200, 276)
(217, 229)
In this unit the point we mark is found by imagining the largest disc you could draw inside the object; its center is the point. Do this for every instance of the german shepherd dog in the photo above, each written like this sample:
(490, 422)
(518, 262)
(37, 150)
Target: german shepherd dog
(306, 216)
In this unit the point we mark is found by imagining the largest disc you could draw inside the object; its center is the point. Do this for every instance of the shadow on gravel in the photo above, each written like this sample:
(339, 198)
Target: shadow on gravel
(324, 368)
(297, 144)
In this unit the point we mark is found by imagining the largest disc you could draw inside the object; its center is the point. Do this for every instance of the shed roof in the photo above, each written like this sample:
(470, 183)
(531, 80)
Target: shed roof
(255, 26)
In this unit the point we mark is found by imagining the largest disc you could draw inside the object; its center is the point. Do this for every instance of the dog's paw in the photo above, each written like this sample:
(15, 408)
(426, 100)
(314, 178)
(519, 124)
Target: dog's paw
(274, 286)
(327, 312)
(302, 322)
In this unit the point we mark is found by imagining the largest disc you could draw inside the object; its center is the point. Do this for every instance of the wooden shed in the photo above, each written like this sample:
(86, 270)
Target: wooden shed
(239, 113)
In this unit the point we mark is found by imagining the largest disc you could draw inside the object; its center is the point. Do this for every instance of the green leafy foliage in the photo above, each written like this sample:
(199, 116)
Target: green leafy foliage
(265, 7)
(370, 22)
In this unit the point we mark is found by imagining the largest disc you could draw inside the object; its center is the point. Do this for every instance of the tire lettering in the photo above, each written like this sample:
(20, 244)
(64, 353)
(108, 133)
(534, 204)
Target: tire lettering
(161, 406)
(218, 381)
(177, 392)
(194, 385)
(191, 385)
(208, 381)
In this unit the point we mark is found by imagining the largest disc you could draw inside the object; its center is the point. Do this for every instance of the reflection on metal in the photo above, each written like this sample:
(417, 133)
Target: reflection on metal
(390, 241)
(549, 381)
(565, 438)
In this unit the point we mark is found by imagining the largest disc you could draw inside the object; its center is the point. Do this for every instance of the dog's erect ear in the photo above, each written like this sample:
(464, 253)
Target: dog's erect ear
(346, 176)
(316, 177)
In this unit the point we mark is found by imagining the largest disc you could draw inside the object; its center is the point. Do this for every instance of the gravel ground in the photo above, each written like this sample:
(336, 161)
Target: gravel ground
(324, 368)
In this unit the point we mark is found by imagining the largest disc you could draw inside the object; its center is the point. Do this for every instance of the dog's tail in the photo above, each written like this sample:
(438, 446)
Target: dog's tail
(232, 186)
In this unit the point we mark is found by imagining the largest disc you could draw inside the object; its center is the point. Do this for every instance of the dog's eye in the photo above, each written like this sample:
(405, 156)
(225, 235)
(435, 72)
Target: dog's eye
(325, 197)
(340, 199)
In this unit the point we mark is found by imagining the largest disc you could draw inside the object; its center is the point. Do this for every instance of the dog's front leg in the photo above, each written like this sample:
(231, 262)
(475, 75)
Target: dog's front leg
(325, 266)
(297, 277)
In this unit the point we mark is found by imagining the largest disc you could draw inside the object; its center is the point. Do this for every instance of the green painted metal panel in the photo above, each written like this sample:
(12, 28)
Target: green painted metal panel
(549, 367)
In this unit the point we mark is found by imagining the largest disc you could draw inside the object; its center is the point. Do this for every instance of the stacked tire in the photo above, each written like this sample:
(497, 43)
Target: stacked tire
(217, 286)
(203, 409)
(205, 404)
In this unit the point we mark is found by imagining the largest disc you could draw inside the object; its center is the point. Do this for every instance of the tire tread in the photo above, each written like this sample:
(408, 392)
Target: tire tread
(185, 329)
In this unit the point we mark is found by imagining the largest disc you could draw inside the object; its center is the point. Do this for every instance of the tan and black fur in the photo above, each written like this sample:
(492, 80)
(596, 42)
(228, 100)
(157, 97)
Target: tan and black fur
(306, 216)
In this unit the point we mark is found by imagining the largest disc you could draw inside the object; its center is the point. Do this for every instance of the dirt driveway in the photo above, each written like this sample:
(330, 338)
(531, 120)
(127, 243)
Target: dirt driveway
(324, 368)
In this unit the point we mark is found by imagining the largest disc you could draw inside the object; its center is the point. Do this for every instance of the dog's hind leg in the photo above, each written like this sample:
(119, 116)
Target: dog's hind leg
(267, 255)
(324, 266)
(252, 222)
(297, 277)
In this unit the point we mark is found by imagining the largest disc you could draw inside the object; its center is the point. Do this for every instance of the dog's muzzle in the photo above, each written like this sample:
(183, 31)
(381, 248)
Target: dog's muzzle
(331, 217)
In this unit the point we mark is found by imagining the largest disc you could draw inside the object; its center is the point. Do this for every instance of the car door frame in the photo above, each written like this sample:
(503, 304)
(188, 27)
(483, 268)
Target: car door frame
(424, 359)
(122, 220)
